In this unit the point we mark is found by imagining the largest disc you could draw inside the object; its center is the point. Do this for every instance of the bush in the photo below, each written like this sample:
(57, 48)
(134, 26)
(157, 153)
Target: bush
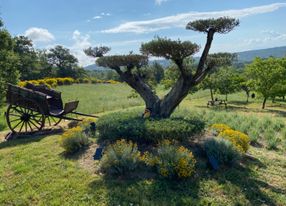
(68, 81)
(94, 81)
(222, 150)
(238, 139)
(73, 140)
(49, 82)
(219, 127)
(120, 158)
(86, 125)
(52, 82)
(133, 127)
(171, 161)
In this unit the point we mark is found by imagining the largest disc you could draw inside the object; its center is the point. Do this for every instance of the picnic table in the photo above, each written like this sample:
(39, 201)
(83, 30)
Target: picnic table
(217, 102)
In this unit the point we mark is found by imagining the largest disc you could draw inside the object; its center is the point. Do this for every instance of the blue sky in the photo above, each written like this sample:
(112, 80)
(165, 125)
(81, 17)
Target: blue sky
(125, 24)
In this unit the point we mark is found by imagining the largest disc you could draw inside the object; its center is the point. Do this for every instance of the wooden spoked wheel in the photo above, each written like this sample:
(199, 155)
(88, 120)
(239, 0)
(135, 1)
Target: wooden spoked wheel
(52, 121)
(24, 121)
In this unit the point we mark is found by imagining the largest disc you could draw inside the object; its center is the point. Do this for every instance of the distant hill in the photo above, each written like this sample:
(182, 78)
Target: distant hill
(248, 56)
(243, 57)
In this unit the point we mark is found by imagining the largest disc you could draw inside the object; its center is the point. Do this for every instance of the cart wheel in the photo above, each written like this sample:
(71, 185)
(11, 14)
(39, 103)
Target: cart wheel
(23, 120)
(52, 121)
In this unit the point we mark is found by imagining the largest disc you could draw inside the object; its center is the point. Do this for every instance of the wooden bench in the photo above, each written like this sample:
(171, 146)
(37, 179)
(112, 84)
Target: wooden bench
(217, 102)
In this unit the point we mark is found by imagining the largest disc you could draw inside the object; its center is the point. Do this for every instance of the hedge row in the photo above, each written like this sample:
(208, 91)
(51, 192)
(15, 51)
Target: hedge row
(54, 82)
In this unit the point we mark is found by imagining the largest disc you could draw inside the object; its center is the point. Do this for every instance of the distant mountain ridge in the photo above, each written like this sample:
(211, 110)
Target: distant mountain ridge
(242, 57)
(248, 56)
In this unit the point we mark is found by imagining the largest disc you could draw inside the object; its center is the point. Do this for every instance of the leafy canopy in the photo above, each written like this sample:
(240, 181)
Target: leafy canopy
(220, 25)
(175, 50)
(265, 74)
(116, 61)
(96, 51)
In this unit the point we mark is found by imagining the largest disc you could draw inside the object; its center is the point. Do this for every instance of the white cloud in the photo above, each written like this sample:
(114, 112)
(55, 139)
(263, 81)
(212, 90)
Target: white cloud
(102, 14)
(180, 20)
(81, 42)
(270, 36)
(159, 2)
(39, 34)
(97, 17)
(105, 14)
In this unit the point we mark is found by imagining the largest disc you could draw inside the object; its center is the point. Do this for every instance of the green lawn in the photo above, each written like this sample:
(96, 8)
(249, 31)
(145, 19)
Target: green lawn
(34, 171)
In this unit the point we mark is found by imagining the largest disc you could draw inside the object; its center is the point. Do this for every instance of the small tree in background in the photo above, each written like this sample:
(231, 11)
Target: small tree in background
(227, 81)
(64, 61)
(265, 75)
(216, 61)
(177, 51)
(245, 84)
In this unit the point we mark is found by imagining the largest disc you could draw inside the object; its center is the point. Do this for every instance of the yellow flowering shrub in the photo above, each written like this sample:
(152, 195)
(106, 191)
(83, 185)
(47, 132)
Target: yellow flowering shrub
(238, 139)
(219, 127)
(171, 161)
(54, 82)
(50, 82)
(74, 139)
(120, 158)
(22, 83)
(111, 82)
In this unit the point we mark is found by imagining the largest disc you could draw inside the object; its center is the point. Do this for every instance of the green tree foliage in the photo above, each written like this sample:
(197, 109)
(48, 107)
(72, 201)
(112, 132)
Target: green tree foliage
(227, 81)
(28, 60)
(64, 61)
(215, 62)
(245, 84)
(96, 51)
(158, 72)
(266, 75)
(8, 61)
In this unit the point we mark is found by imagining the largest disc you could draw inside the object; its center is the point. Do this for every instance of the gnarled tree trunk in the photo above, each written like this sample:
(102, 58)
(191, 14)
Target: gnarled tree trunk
(163, 108)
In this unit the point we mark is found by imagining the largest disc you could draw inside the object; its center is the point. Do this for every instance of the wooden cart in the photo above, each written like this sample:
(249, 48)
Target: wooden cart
(33, 107)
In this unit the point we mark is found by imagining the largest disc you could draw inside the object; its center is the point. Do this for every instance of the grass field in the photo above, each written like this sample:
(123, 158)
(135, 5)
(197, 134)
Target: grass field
(34, 171)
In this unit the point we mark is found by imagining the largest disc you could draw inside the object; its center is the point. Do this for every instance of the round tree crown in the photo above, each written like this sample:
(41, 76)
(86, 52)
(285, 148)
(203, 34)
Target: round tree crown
(115, 61)
(96, 51)
(220, 59)
(169, 49)
(220, 25)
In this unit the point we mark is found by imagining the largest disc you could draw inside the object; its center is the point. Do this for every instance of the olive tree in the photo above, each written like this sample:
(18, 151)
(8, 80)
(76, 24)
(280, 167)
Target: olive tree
(175, 50)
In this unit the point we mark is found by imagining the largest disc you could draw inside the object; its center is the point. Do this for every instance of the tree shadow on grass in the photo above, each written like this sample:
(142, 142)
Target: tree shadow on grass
(157, 191)
(144, 191)
(27, 139)
(233, 108)
(250, 185)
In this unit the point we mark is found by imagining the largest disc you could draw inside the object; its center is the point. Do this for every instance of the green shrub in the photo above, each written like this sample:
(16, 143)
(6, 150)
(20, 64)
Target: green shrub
(120, 158)
(272, 143)
(86, 126)
(133, 127)
(94, 81)
(73, 140)
(171, 161)
(222, 150)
